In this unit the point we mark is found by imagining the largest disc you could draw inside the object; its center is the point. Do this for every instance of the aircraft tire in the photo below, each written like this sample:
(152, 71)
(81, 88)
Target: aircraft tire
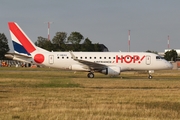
(90, 75)
(150, 77)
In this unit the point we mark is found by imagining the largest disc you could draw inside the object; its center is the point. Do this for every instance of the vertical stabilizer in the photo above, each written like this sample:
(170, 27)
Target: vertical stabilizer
(21, 43)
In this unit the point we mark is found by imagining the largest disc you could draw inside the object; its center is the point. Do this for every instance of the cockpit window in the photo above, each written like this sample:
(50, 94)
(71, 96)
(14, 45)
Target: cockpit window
(158, 57)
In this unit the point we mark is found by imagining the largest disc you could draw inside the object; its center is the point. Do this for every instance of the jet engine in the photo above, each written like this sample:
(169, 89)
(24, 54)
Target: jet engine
(112, 70)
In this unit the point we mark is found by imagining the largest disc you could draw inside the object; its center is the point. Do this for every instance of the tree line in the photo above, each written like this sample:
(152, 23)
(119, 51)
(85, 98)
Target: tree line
(75, 41)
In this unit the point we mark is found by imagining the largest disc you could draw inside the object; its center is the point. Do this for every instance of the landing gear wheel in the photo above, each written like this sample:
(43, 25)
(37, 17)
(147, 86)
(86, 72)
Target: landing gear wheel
(150, 77)
(90, 75)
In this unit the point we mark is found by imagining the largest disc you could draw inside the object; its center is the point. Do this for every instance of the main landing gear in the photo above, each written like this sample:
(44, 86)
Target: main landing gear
(90, 75)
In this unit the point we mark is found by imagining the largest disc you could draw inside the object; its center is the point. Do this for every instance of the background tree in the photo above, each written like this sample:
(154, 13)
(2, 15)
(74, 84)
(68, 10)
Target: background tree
(97, 47)
(87, 45)
(4, 48)
(171, 55)
(75, 38)
(44, 43)
(59, 41)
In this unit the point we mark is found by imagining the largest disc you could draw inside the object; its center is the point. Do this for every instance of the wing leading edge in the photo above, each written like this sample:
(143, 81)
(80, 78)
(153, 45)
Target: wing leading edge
(91, 65)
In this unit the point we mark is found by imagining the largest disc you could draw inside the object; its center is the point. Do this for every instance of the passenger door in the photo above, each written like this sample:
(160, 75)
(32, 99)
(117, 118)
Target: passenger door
(51, 59)
(148, 60)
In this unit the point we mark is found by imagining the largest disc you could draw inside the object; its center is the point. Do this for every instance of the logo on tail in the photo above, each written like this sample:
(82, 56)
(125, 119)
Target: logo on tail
(21, 42)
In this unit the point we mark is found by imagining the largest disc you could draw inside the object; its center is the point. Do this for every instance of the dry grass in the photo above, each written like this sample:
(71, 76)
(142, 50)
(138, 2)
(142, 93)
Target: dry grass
(49, 94)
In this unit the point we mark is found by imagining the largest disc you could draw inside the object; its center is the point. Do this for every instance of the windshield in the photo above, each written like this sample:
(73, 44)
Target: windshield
(159, 57)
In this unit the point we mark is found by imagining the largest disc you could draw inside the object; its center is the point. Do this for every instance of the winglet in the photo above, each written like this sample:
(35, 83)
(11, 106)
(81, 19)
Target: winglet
(73, 56)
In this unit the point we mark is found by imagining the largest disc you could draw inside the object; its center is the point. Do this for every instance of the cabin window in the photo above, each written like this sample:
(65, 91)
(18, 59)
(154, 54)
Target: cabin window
(89, 57)
(94, 57)
(67, 57)
(99, 57)
(58, 57)
(85, 57)
(81, 57)
(62, 57)
(109, 57)
(104, 57)
(113, 57)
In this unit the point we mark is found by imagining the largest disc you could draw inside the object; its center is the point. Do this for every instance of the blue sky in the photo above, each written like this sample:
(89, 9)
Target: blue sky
(102, 21)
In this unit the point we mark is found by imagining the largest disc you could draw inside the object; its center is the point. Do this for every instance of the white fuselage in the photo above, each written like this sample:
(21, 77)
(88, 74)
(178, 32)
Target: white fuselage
(125, 60)
(109, 63)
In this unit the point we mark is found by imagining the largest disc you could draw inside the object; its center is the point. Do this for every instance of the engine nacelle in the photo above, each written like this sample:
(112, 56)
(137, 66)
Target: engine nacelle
(112, 70)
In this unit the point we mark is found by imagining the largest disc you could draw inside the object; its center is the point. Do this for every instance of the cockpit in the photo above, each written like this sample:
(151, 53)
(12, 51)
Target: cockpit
(159, 58)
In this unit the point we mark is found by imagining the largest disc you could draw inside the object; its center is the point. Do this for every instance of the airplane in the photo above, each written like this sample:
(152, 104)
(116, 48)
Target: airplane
(108, 63)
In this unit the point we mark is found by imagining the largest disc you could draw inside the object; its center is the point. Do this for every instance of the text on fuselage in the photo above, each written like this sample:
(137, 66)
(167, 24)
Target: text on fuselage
(129, 59)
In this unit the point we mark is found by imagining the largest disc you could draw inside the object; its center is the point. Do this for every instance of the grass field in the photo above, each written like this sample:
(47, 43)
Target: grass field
(51, 94)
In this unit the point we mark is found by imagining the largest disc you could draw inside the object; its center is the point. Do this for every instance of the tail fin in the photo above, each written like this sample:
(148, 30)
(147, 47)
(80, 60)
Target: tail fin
(24, 47)
(22, 44)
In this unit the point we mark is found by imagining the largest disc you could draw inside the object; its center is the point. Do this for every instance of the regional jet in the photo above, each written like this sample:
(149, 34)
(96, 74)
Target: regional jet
(108, 63)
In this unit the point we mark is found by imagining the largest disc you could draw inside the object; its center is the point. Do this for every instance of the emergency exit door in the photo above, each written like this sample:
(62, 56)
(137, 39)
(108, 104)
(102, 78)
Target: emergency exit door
(51, 59)
(148, 60)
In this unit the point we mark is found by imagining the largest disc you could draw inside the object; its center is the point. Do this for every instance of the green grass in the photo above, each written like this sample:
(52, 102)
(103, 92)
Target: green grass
(46, 93)
(25, 76)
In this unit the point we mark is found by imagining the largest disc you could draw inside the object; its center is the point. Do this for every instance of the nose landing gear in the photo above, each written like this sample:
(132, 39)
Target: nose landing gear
(150, 76)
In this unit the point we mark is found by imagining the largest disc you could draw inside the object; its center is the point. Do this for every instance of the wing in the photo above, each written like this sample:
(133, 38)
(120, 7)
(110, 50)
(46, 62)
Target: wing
(90, 65)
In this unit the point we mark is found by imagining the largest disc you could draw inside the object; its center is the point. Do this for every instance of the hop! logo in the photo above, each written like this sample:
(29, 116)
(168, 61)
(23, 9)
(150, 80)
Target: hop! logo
(129, 59)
